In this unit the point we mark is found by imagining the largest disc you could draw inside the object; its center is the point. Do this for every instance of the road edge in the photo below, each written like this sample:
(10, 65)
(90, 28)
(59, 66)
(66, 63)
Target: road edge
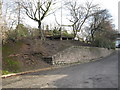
(52, 67)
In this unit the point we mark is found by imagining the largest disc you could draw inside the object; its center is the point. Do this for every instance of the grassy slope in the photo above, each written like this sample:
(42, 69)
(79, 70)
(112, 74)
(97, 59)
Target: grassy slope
(27, 54)
(10, 63)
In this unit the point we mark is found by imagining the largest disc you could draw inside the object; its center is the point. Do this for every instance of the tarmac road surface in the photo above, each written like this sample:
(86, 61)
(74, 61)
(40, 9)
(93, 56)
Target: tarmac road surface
(98, 74)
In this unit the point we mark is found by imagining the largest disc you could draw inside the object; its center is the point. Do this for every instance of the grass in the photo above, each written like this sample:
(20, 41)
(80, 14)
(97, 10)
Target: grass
(10, 64)
(4, 72)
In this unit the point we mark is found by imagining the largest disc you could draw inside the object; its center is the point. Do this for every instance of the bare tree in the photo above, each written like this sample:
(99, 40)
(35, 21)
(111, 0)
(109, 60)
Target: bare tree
(37, 10)
(79, 14)
(13, 13)
(3, 28)
(12, 16)
(100, 22)
(19, 11)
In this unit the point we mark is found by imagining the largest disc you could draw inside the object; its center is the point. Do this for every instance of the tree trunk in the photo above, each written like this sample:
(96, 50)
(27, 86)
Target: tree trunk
(60, 33)
(41, 31)
(75, 33)
(92, 37)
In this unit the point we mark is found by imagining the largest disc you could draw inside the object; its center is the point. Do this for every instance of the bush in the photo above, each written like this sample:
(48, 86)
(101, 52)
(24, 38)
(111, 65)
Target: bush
(104, 43)
(22, 31)
(12, 35)
(18, 33)
(65, 33)
(56, 32)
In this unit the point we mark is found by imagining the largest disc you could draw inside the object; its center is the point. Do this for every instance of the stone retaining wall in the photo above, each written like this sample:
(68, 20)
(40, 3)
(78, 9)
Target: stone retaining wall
(79, 54)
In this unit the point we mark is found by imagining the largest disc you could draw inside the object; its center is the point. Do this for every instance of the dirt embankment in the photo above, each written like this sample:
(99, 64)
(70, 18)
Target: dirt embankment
(27, 54)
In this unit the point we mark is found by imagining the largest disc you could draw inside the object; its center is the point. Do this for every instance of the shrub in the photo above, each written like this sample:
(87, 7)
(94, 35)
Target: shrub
(18, 33)
(22, 31)
(56, 32)
(12, 35)
(104, 43)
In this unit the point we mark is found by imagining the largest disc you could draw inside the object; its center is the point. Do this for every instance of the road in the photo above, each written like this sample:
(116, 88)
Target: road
(98, 74)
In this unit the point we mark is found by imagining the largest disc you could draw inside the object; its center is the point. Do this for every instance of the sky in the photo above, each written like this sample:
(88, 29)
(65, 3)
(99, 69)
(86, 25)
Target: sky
(111, 5)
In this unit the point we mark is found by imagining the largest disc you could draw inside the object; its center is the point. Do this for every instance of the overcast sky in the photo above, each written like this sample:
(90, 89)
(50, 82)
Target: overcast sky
(111, 5)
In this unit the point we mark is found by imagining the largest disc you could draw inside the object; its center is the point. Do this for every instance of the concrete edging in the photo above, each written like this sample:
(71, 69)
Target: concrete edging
(22, 73)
